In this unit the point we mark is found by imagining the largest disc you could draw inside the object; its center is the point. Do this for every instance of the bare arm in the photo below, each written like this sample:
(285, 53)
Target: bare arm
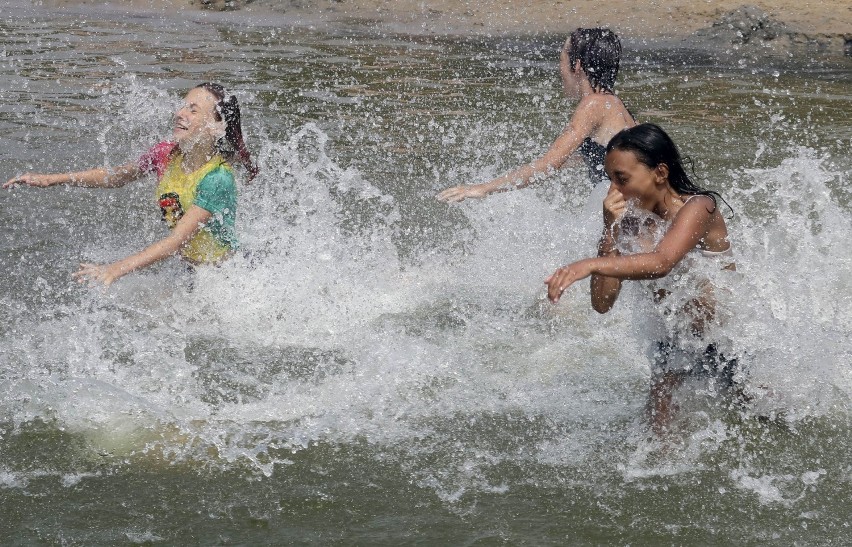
(185, 229)
(690, 225)
(100, 177)
(582, 124)
(605, 290)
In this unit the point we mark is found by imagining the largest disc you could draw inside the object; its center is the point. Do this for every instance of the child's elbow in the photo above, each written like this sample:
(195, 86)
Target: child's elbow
(660, 273)
(663, 268)
(601, 309)
(602, 305)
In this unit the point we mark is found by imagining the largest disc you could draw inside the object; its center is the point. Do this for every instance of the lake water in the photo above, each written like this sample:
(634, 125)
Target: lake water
(381, 368)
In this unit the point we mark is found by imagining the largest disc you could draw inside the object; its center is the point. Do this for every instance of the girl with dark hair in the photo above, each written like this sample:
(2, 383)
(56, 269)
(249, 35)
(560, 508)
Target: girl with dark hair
(196, 193)
(589, 63)
(233, 147)
(657, 222)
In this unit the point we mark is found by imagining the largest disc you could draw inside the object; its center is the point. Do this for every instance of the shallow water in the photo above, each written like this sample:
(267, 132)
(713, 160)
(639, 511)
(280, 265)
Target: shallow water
(382, 368)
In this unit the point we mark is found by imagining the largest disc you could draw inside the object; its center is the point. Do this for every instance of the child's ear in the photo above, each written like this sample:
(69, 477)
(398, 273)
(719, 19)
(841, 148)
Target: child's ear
(662, 173)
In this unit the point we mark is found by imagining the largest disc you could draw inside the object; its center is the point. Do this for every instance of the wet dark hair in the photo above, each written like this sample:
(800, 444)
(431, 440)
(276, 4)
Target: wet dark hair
(652, 147)
(599, 53)
(232, 146)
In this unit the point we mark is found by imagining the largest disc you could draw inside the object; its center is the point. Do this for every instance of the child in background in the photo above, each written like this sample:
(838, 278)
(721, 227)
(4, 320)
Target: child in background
(588, 64)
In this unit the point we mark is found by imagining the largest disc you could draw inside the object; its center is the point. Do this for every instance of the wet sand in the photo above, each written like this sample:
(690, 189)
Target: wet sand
(781, 27)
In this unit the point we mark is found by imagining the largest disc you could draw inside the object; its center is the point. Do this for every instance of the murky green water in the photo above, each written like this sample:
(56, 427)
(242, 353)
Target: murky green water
(383, 370)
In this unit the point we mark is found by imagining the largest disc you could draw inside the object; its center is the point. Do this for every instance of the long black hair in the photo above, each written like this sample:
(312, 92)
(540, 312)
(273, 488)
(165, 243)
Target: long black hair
(599, 53)
(652, 147)
(234, 146)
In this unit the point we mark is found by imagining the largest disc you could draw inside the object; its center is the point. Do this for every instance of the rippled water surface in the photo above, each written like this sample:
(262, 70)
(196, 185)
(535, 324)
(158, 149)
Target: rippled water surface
(381, 368)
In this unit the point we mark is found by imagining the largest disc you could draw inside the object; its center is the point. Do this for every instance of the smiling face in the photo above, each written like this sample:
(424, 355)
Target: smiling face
(635, 180)
(195, 120)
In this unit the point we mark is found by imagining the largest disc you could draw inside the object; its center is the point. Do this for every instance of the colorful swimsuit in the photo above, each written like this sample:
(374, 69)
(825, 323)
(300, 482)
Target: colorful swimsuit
(210, 187)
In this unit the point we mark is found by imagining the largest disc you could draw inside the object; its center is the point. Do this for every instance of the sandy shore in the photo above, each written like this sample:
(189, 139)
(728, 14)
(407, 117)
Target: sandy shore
(784, 27)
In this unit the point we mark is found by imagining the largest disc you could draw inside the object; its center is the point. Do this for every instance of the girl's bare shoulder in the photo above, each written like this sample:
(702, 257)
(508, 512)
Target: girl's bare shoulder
(596, 101)
(593, 108)
(697, 202)
(706, 207)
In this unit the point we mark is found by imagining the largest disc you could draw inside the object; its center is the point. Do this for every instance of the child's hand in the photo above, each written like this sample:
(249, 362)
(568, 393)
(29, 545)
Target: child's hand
(99, 273)
(566, 276)
(460, 193)
(614, 206)
(31, 179)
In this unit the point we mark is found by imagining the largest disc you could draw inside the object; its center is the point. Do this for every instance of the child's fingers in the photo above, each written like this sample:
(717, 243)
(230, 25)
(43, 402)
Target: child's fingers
(20, 179)
(553, 293)
(612, 200)
(556, 285)
(86, 272)
(614, 197)
(451, 195)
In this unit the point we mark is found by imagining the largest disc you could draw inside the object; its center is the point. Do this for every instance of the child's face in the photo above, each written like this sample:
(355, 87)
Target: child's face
(634, 179)
(195, 120)
(570, 79)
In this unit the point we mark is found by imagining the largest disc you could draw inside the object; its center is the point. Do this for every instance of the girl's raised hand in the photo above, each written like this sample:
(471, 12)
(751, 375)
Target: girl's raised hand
(614, 206)
(462, 192)
(566, 276)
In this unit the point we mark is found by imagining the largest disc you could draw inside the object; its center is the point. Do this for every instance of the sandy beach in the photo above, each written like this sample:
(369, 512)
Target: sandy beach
(783, 27)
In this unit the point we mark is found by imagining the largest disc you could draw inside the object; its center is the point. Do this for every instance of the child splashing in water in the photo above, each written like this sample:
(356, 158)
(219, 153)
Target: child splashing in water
(588, 65)
(657, 222)
(197, 194)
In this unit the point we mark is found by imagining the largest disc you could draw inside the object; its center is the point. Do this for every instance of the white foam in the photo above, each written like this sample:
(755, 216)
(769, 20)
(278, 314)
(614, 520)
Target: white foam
(323, 333)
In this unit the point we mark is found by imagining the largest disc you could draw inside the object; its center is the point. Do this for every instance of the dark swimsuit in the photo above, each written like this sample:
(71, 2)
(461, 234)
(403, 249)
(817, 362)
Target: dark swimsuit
(593, 154)
(710, 363)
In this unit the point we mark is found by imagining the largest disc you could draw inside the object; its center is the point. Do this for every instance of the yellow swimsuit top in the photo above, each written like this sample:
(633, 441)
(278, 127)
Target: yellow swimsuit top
(176, 193)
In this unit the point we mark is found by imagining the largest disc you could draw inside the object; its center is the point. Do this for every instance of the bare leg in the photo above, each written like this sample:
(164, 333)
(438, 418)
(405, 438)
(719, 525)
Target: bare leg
(661, 409)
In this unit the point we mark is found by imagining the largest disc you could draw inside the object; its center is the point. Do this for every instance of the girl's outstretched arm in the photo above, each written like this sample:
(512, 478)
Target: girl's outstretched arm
(690, 225)
(185, 229)
(582, 124)
(100, 177)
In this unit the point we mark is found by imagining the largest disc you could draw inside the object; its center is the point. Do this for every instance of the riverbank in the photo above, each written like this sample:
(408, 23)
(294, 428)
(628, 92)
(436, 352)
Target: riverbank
(785, 28)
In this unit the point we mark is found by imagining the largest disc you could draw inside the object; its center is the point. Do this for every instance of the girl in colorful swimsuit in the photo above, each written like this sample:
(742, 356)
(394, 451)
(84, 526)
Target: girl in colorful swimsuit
(660, 227)
(196, 193)
(589, 63)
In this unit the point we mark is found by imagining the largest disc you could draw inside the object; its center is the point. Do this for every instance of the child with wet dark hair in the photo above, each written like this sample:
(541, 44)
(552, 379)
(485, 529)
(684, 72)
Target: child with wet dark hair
(662, 228)
(589, 63)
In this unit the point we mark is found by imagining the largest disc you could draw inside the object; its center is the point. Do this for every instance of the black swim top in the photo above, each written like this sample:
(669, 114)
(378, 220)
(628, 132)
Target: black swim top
(593, 154)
